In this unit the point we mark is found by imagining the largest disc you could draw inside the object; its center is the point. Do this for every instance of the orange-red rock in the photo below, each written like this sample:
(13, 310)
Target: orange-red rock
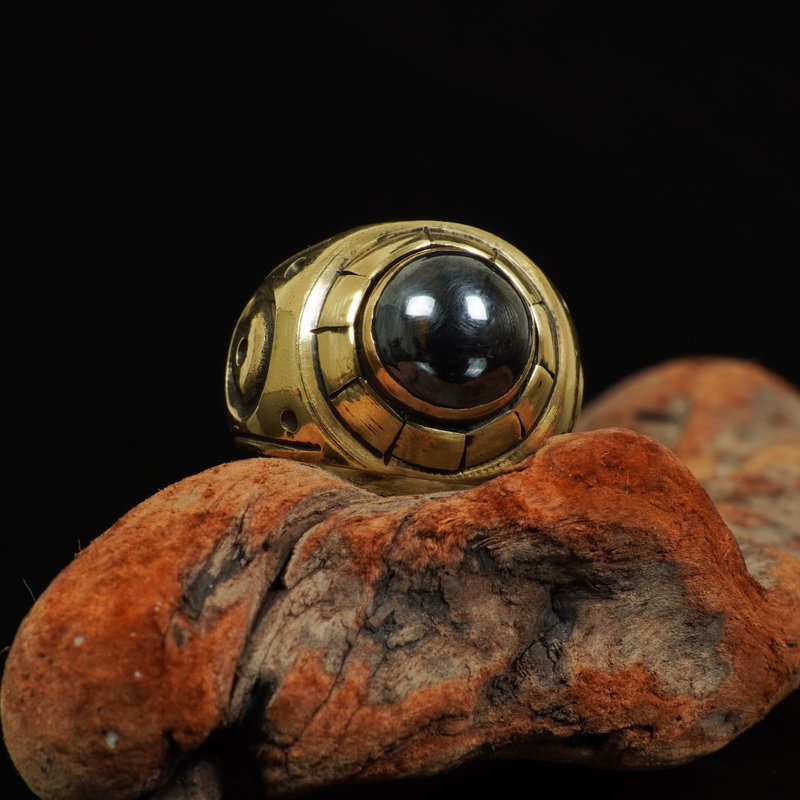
(590, 605)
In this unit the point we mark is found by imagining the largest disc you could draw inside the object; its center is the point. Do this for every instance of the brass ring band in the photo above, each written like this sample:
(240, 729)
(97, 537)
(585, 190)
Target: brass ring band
(324, 366)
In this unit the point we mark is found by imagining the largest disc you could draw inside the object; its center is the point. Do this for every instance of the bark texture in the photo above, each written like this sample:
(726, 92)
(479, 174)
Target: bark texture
(596, 604)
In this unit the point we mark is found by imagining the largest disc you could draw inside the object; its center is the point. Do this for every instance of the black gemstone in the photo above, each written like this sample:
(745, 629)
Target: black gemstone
(452, 330)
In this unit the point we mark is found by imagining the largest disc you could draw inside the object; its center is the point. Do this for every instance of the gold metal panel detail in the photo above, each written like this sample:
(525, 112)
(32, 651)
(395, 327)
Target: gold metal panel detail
(337, 358)
(341, 304)
(547, 345)
(366, 416)
(493, 438)
(430, 448)
(534, 399)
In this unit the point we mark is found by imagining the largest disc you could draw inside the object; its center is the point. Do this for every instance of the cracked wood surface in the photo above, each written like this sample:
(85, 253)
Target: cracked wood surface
(595, 604)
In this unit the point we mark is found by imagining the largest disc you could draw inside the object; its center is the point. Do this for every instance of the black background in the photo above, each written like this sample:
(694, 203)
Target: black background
(156, 165)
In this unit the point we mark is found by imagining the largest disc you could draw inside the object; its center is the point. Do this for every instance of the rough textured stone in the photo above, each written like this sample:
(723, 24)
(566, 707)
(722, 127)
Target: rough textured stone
(590, 605)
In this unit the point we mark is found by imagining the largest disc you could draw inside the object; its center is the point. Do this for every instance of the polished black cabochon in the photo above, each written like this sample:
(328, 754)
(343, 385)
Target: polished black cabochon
(452, 330)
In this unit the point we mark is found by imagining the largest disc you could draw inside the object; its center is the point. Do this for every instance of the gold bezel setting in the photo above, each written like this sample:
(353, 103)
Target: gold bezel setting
(382, 378)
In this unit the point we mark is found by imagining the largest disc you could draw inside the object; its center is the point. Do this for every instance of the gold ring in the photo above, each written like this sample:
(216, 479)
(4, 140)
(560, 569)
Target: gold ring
(406, 356)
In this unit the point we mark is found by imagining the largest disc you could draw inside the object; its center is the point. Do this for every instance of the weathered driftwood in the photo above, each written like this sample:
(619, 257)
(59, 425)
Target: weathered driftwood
(590, 605)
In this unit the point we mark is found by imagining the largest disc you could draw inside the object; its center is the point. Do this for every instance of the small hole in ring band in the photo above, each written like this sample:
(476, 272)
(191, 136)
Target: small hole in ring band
(241, 351)
(289, 421)
(294, 268)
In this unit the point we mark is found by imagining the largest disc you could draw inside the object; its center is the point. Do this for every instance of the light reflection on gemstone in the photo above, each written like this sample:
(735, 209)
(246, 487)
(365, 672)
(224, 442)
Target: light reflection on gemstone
(420, 305)
(476, 308)
(476, 367)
